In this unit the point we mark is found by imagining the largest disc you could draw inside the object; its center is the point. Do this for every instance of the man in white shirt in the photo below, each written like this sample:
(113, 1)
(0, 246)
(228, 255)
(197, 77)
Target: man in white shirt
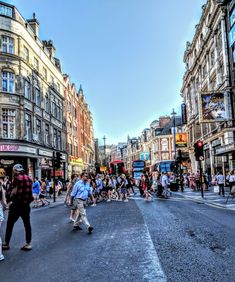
(220, 180)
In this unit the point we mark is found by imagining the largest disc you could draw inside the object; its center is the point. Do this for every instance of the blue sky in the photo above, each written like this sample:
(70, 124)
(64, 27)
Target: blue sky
(127, 54)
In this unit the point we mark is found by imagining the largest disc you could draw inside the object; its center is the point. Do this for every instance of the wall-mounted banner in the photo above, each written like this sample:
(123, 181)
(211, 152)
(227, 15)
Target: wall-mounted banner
(183, 113)
(181, 140)
(212, 107)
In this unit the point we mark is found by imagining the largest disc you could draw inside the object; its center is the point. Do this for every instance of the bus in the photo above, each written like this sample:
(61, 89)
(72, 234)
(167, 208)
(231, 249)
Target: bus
(138, 168)
(117, 167)
(164, 166)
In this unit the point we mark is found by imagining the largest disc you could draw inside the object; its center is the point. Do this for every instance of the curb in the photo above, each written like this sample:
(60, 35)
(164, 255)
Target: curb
(203, 201)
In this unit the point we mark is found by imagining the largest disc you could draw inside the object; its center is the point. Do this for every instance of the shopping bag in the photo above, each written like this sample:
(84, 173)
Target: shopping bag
(216, 189)
(233, 190)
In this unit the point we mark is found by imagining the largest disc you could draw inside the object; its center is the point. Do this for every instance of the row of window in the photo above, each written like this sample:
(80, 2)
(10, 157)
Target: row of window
(52, 105)
(8, 47)
(9, 129)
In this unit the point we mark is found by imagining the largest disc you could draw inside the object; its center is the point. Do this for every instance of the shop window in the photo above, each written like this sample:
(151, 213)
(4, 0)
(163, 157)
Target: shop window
(28, 127)
(7, 44)
(8, 123)
(8, 81)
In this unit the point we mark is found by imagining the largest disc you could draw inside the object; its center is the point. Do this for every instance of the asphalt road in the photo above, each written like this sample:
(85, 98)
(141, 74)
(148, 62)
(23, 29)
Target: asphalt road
(163, 240)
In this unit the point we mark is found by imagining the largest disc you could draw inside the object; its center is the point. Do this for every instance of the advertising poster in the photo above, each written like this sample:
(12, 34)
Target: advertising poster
(145, 156)
(212, 107)
(181, 140)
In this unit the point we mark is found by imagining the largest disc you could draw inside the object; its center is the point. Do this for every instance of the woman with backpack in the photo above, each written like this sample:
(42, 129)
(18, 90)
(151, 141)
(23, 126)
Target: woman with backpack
(3, 204)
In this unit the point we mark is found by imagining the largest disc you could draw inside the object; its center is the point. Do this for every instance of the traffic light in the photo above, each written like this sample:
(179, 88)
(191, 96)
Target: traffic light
(198, 151)
(58, 159)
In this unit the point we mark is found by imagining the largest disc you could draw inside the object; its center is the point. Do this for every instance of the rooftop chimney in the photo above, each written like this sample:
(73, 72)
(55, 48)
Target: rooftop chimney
(50, 47)
(34, 24)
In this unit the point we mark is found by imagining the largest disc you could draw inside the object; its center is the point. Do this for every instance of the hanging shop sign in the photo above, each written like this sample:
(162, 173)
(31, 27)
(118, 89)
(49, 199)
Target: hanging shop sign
(213, 107)
(181, 140)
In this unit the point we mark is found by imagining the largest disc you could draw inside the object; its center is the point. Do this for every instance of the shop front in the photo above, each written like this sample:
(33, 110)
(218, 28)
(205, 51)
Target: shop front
(227, 154)
(76, 165)
(11, 154)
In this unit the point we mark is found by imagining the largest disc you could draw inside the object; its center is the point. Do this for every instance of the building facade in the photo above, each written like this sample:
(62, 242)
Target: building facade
(31, 97)
(207, 71)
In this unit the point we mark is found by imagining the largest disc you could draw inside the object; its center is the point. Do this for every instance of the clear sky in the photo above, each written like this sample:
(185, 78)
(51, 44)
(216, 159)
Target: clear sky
(127, 54)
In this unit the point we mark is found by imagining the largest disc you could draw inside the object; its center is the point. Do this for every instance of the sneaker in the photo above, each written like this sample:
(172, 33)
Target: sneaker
(27, 247)
(5, 247)
(90, 229)
(108, 200)
(2, 257)
(126, 200)
(93, 205)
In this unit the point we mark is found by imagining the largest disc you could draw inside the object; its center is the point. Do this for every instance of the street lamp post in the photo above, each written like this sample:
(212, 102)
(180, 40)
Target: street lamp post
(173, 115)
(104, 138)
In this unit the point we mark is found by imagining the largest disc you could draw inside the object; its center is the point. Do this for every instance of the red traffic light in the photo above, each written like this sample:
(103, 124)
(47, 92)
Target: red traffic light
(200, 144)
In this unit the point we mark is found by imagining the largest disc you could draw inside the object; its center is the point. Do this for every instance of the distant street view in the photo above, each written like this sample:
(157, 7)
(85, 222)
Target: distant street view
(105, 176)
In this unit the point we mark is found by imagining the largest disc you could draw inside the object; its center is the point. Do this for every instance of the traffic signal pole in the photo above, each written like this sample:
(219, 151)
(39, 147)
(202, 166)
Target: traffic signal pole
(54, 177)
(200, 169)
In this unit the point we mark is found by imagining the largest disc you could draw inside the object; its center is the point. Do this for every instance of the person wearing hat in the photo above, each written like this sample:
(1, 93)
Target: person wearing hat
(19, 196)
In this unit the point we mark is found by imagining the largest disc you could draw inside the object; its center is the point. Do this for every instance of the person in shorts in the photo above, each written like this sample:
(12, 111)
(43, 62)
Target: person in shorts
(123, 188)
(36, 191)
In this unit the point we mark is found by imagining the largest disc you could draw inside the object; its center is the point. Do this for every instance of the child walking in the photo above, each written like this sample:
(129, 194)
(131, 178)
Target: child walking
(2, 204)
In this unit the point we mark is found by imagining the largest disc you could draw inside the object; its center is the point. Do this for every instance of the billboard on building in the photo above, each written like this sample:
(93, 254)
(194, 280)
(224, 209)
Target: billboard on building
(232, 36)
(213, 107)
(181, 140)
(145, 156)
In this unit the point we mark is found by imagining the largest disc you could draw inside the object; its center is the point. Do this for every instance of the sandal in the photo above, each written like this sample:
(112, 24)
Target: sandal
(26, 247)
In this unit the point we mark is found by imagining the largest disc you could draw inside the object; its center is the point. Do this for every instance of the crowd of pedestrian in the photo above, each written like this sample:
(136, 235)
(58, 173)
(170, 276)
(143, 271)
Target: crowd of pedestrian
(90, 189)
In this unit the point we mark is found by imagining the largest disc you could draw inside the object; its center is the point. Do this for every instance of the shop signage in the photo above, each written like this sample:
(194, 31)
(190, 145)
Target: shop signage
(17, 148)
(45, 153)
(225, 149)
(181, 140)
(77, 161)
(7, 162)
(216, 142)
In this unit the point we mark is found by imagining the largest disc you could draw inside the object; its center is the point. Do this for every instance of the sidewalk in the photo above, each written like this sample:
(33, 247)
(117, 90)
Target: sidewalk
(210, 198)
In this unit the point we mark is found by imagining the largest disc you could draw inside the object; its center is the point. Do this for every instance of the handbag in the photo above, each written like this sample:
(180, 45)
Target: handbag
(216, 189)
